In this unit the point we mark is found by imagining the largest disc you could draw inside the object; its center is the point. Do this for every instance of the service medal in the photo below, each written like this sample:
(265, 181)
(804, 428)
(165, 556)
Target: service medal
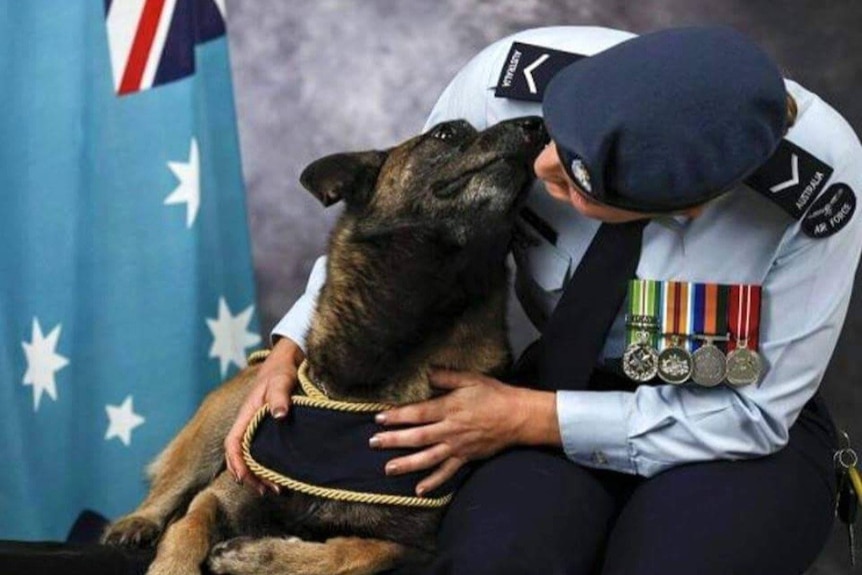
(710, 365)
(675, 365)
(640, 362)
(710, 325)
(674, 361)
(744, 366)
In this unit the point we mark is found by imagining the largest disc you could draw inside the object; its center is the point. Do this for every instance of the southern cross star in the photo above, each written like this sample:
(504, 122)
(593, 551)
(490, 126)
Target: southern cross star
(43, 362)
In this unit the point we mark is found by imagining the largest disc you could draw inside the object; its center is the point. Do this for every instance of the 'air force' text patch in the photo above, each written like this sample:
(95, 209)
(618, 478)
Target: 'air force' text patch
(528, 69)
(830, 212)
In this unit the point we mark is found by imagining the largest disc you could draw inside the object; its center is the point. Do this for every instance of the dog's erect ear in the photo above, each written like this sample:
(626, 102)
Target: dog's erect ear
(348, 177)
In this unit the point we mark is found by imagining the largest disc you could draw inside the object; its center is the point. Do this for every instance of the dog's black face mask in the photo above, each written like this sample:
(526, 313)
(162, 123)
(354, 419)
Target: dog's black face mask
(453, 181)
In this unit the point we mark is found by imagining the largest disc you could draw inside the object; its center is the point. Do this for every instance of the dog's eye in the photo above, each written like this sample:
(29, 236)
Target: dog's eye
(444, 132)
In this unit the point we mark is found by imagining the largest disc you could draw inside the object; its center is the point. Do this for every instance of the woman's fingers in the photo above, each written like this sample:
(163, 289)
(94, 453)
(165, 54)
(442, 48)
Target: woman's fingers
(440, 476)
(446, 379)
(270, 388)
(233, 440)
(411, 437)
(430, 411)
(274, 382)
(271, 486)
(279, 386)
(424, 459)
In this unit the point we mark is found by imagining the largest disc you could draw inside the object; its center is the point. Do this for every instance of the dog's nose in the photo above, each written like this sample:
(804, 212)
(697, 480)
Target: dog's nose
(534, 129)
(531, 123)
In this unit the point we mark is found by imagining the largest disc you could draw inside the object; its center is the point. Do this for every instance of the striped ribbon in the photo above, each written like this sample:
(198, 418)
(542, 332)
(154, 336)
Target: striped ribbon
(710, 312)
(677, 314)
(744, 316)
(690, 309)
(644, 300)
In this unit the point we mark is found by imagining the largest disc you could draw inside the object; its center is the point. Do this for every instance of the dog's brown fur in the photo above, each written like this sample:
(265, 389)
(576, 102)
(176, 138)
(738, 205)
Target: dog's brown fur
(415, 278)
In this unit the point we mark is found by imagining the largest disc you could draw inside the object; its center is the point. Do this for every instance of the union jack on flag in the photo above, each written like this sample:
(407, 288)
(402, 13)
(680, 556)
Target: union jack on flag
(152, 42)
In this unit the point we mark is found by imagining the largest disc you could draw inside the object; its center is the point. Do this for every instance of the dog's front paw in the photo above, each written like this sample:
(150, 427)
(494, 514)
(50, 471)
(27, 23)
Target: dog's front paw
(249, 556)
(132, 531)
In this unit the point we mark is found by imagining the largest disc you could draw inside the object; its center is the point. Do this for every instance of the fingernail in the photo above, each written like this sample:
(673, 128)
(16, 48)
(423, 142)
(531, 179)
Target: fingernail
(237, 478)
(276, 489)
(420, 492)
(380, 418)
(391, 468)
(261, 490)
(374, 442)
(279, 412)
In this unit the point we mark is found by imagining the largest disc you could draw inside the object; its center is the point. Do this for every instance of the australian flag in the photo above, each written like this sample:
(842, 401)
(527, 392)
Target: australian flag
(126, 287)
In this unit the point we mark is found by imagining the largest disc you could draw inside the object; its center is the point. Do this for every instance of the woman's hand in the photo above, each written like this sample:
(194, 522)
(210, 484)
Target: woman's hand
(479, 417)
(274, 384)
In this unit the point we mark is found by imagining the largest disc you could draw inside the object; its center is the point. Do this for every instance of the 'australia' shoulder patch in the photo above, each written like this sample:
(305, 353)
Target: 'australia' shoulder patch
(830, 212)
(792, 178)
(528, 69)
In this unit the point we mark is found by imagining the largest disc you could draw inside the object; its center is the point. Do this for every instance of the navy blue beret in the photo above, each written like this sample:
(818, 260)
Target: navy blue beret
(667, 120)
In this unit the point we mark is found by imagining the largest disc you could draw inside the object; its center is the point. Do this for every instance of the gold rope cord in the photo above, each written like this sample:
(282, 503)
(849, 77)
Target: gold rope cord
(316, 399)
(258, 356)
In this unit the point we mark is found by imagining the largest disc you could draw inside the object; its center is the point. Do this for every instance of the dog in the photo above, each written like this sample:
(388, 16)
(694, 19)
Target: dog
(416, 277)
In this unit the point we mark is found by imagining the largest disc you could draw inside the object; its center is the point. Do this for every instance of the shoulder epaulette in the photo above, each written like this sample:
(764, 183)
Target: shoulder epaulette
(795, 180)
(528, 69)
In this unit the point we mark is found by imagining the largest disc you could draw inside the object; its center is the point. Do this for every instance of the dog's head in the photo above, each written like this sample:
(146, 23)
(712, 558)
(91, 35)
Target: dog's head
(453, 181)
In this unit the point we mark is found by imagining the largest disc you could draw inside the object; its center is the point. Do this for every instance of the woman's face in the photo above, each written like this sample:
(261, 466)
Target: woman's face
(550, 170)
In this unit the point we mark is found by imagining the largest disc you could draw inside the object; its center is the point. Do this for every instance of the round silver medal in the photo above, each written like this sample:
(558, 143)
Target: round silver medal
(744, 366)
(710, 366)
(640, 362)
(675, 365)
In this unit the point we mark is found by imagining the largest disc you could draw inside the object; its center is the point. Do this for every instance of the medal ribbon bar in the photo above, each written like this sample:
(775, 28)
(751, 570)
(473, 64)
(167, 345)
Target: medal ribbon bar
(676, 317)
(744, 316)
(710, 313)
(640, 360)
(744, 365)
(642, 322)
(680, 319)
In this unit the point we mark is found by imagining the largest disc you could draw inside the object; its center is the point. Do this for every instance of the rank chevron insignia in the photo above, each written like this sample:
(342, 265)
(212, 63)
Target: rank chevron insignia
(794, 179)
(528, 73)
(809, 176)
(528, 69)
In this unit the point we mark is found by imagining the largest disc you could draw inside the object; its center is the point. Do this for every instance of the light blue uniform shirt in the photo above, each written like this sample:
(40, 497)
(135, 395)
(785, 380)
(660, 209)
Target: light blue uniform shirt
(741, 238)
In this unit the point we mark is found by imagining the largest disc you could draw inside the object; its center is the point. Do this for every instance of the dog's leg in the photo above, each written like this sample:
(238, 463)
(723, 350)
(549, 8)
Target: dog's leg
(211, 513)
(190, 461)
(292, 556)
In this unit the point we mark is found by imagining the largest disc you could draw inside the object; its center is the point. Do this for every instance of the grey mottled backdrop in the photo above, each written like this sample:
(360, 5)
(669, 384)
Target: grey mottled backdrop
(314, 77)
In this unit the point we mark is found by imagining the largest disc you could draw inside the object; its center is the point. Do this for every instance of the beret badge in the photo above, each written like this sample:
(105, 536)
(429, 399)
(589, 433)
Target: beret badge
(581, 175)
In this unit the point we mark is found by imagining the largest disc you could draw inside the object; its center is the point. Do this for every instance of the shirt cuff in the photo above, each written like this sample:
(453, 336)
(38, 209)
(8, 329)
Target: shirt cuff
(295, 323)
(594, 430)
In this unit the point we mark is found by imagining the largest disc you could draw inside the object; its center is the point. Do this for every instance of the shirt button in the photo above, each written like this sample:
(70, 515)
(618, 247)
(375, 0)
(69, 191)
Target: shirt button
(599, 458)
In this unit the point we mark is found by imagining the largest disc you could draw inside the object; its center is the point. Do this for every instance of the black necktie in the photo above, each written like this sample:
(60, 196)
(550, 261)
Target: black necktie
(565, 355)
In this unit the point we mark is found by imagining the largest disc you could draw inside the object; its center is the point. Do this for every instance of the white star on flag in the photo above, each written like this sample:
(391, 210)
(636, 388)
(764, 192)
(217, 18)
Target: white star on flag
(231, 336)
(123, 420)
(189, 189)
(43, 362)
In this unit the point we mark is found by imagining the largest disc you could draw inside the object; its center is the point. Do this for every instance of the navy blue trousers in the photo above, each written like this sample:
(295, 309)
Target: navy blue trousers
(533, 511)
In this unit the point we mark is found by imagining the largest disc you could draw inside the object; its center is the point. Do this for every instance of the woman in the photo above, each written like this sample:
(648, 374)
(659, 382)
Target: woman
(597, 465)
